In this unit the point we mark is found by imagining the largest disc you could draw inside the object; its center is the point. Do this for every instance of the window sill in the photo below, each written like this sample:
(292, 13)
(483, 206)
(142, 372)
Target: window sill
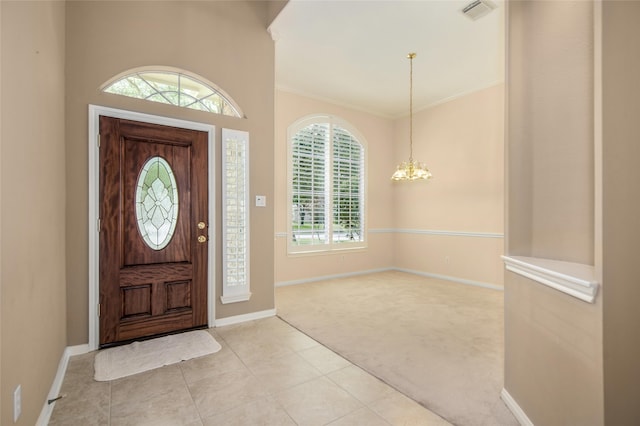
(575, 279)
(235, 298)
(324, 252)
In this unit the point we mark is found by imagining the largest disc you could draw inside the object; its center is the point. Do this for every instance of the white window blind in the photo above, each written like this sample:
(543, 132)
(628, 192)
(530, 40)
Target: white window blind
(235, 216)
(326, 191)
(348, 200)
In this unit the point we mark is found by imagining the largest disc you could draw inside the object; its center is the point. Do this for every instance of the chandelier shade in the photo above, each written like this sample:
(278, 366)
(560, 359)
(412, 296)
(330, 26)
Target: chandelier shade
(411, 170)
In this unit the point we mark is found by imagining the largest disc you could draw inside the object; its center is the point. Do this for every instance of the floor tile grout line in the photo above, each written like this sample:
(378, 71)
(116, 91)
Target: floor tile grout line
(270, 397)
(365, 370)
(358, 409)
(325, 375)
(228, 409)
(277, 401)
(195, 406)
(274, 392)
(110, 402)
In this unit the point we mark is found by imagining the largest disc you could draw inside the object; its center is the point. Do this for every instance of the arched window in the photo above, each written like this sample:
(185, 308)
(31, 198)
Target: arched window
(175, 87)
(326, 185)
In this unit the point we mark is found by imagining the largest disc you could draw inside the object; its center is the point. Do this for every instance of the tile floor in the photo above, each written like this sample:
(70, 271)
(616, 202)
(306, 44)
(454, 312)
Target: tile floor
(267, 373)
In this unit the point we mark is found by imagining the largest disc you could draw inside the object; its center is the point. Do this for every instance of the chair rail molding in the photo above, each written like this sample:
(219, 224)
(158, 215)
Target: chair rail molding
(575, 279)
(422, 232)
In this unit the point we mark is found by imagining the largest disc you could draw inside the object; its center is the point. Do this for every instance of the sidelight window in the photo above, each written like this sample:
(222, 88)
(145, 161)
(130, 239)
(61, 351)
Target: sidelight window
(235, 216)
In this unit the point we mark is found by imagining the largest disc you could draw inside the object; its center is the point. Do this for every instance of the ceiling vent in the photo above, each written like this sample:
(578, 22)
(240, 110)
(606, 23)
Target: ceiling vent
(477, 9)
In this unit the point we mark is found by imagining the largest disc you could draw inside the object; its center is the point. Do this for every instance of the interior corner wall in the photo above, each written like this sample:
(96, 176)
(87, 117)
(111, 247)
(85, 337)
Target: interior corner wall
(621, 210)
(274, 8)
(378, 133)
(226, 43)
(553, 341)
(553, 354)
(452, 225)
(0, 211)
(33, 321)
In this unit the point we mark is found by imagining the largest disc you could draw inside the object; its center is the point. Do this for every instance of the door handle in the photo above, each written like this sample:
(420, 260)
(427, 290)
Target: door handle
(202, 225)
(202, 239)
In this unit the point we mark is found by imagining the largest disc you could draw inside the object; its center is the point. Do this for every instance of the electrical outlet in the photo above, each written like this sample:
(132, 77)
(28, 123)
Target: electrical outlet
(17, 403)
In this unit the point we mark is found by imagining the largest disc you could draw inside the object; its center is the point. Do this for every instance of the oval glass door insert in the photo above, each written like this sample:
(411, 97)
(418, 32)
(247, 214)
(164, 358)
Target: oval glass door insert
(156, 203)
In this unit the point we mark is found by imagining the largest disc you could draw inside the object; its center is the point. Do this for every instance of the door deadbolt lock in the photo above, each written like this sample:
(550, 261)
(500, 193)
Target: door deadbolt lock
(202, 239)
(202, 225)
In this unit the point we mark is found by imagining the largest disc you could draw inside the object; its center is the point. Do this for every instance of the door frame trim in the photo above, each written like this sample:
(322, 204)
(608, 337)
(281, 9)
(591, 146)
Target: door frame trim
(95, 111)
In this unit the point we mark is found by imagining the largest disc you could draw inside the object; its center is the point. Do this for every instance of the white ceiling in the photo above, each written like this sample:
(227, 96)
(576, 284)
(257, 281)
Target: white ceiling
(353, 52)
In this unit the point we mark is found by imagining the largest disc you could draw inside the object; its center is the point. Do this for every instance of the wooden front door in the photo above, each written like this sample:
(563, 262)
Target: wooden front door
(153, 229)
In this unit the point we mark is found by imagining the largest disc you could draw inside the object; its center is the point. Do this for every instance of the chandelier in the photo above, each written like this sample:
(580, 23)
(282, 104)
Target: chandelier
(411, 170)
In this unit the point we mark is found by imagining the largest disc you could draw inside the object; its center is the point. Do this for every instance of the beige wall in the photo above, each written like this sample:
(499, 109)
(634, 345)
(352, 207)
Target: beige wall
(274, 8)
(551, 131)
(378, 133)
(462, 144)
(553, 354)
(621, 152)
(33, 289)
(225, 42)
(553, 342)
(1, 239)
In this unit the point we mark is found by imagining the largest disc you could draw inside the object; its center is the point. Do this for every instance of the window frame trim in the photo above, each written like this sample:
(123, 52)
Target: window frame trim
(333, 121)
(173, 70)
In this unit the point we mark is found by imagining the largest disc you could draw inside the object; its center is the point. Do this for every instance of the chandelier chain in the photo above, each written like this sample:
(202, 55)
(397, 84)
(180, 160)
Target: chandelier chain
(412, 170)
(411, 56)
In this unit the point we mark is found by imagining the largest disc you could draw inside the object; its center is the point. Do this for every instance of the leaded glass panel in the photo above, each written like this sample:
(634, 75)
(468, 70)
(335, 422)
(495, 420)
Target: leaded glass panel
(174, 88)
(156, 203)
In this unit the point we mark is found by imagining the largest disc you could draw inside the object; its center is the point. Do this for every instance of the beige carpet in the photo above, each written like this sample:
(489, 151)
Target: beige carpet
(136, 357)
(438, 342)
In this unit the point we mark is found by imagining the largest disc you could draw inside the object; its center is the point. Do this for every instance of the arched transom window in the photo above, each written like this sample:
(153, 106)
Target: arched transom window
(175, 87)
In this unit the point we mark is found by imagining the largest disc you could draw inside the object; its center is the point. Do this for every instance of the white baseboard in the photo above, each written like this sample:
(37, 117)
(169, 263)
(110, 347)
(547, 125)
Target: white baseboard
(246, 317)
(450, 278)
(513, 406)
(54, 392)
(69, 351)
(331, 277)
(409, 271)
